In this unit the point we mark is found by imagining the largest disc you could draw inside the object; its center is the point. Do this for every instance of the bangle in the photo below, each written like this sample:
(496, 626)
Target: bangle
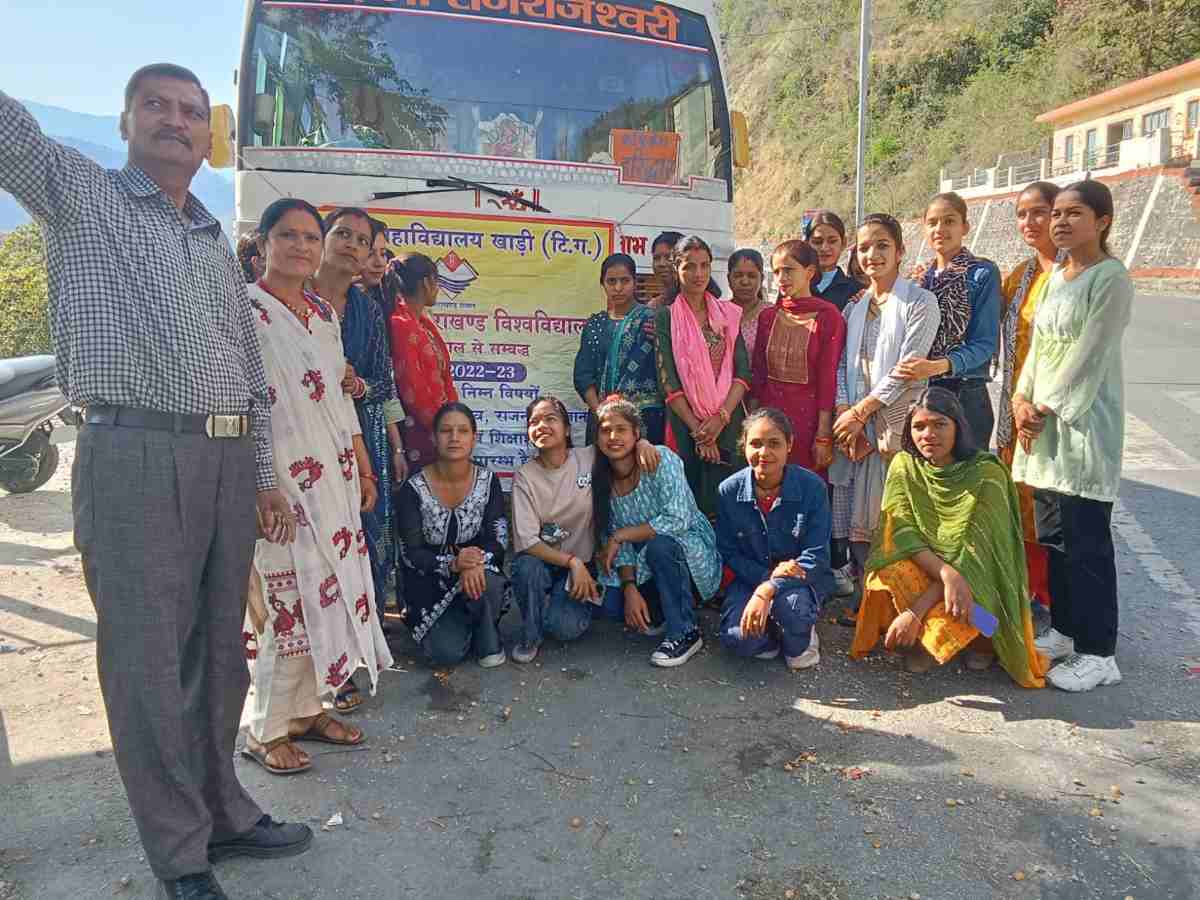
(360, 389)
(570, 559)
(823, 440)
(365, 477)
(626, 582)
(854, 411)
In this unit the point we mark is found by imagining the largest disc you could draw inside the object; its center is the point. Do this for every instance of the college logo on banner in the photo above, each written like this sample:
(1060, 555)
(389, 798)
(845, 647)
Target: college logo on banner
(513, 297)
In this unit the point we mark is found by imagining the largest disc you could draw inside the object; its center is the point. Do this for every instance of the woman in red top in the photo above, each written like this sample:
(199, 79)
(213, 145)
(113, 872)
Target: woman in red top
(796, 355)
(419, 357)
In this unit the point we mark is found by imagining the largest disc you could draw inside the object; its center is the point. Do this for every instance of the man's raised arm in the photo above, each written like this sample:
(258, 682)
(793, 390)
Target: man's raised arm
(51, 181)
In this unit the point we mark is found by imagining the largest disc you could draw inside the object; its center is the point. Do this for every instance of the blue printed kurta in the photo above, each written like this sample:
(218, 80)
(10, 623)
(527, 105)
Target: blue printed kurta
(665, 502)
(365, 339)
(618, 357)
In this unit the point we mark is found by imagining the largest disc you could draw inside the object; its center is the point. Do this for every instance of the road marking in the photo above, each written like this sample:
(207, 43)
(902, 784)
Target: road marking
(1160, 569)
(1145, 448)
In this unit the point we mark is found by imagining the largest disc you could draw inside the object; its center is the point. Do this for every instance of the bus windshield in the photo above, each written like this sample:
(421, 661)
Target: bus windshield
(352, 78)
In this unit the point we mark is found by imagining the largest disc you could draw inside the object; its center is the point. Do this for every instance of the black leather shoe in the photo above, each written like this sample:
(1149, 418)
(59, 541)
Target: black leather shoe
(192, 887)
(268, 839)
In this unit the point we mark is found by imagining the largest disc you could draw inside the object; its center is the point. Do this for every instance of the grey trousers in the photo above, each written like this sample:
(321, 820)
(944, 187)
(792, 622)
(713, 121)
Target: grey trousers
(165, 524)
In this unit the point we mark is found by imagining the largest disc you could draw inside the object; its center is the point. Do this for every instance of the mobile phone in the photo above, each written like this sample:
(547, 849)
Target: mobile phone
(983, 620)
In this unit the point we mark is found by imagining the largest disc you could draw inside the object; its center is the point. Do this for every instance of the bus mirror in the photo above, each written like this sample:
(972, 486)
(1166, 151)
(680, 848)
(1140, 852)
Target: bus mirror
(740, 140)
(222, 152)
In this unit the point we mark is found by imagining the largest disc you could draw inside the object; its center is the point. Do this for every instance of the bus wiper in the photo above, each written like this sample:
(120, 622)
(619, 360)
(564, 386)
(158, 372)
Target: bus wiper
(453, 184)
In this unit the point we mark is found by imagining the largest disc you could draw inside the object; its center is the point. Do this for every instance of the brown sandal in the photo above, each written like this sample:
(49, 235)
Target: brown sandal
(319, 731)
(264, 750)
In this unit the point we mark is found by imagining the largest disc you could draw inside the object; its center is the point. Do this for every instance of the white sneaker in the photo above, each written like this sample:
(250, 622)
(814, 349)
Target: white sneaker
(1083, 671)
(525, 653)
(809, 657)
(1054, 644)
(492, 660)
(843, 582)
(768, 654)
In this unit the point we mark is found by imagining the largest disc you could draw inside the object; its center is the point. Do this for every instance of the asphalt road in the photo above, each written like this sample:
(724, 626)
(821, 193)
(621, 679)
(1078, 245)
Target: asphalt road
(724, 778)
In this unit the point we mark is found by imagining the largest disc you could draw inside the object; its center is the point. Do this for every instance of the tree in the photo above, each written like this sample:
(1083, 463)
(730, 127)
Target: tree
(24, 299)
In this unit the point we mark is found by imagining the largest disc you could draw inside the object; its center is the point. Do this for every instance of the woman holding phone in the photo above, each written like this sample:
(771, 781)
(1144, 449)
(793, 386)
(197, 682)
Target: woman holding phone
(949, 540)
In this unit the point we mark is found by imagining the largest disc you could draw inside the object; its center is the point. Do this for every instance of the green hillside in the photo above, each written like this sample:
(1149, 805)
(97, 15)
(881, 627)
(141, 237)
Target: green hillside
(954, 84)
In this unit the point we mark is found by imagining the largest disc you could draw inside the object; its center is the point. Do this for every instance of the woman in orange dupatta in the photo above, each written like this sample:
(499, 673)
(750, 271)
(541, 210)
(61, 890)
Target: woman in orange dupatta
(420, 358)
(1023, 290)
(704, 371)
(948, 554)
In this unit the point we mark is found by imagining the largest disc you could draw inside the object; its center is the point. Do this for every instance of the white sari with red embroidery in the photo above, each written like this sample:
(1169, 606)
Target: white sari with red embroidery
(318, 591)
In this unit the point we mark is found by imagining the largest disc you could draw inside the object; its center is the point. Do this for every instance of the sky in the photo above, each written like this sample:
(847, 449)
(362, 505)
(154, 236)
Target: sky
(79, 55)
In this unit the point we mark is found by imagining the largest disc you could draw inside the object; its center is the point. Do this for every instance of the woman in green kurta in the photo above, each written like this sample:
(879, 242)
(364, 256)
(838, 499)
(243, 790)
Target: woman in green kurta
(1069, 410)
(704, 372)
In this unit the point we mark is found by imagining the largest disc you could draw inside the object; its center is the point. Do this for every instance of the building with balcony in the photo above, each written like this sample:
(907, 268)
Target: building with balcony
(1150, 121)
(1153, 121)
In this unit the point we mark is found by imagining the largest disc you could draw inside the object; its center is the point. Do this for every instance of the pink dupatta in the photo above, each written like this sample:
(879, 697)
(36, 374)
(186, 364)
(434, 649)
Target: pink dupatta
(705, 392)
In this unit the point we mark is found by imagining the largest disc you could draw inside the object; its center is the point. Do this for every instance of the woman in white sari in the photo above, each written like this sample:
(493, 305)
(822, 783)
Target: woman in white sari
(891, 320)
(312, 605)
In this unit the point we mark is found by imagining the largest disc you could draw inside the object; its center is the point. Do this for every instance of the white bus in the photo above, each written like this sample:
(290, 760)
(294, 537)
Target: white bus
(514, 142)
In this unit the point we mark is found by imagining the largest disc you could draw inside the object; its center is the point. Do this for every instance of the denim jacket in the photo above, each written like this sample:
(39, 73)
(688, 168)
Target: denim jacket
(797, 527)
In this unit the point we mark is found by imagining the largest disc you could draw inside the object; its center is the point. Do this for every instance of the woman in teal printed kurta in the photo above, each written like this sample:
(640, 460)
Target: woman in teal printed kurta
(616, 351)
(1069, 409)
(654, 541)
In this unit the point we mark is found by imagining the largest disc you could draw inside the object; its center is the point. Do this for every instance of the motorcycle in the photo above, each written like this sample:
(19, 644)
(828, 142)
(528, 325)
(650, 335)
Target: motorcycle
(30, 401)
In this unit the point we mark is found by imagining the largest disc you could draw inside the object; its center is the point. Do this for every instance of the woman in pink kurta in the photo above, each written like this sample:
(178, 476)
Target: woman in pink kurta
(796, 356)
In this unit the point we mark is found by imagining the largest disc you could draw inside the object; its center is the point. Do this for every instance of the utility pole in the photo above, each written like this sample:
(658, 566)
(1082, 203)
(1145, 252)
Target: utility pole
(864, 52)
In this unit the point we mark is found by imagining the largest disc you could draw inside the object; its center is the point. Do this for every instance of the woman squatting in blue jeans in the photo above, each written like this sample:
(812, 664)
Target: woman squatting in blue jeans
(655, 544)
(773, 526)
(553, 574)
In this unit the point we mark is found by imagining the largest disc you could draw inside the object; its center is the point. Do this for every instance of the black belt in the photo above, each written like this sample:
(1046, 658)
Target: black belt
(215, 426)
(957, 383)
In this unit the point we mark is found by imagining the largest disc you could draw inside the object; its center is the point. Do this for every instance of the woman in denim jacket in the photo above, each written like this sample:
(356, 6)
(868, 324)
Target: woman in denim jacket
(773, 524)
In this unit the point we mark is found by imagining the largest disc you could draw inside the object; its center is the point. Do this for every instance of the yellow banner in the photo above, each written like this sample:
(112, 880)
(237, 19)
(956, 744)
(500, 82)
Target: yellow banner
(514, 294)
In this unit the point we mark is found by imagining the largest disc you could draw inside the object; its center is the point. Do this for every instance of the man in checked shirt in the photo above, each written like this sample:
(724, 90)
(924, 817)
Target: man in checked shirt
(153, 336)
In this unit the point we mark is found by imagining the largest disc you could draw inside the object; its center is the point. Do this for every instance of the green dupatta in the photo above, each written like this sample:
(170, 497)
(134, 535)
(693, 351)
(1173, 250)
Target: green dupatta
(968, 514)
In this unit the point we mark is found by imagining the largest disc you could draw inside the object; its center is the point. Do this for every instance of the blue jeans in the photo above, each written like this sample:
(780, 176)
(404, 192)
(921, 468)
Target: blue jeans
(672, 581)
(546, 607)
(793, 615)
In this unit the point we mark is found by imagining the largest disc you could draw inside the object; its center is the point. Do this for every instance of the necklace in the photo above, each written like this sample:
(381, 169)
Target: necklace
(303, 314)
(767, 493)
(628, 481)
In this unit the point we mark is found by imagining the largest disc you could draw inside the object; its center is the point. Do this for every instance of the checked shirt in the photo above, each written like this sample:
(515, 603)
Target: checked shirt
(148, 306)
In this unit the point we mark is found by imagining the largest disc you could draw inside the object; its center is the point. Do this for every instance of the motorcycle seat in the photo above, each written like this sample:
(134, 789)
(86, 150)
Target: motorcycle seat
(25, 373)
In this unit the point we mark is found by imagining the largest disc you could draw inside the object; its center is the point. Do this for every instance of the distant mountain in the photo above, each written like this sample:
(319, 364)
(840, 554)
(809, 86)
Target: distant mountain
(99, 138)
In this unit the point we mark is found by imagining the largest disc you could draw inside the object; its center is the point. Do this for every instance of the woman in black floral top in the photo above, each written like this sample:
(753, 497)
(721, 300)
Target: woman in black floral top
(453, 533)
